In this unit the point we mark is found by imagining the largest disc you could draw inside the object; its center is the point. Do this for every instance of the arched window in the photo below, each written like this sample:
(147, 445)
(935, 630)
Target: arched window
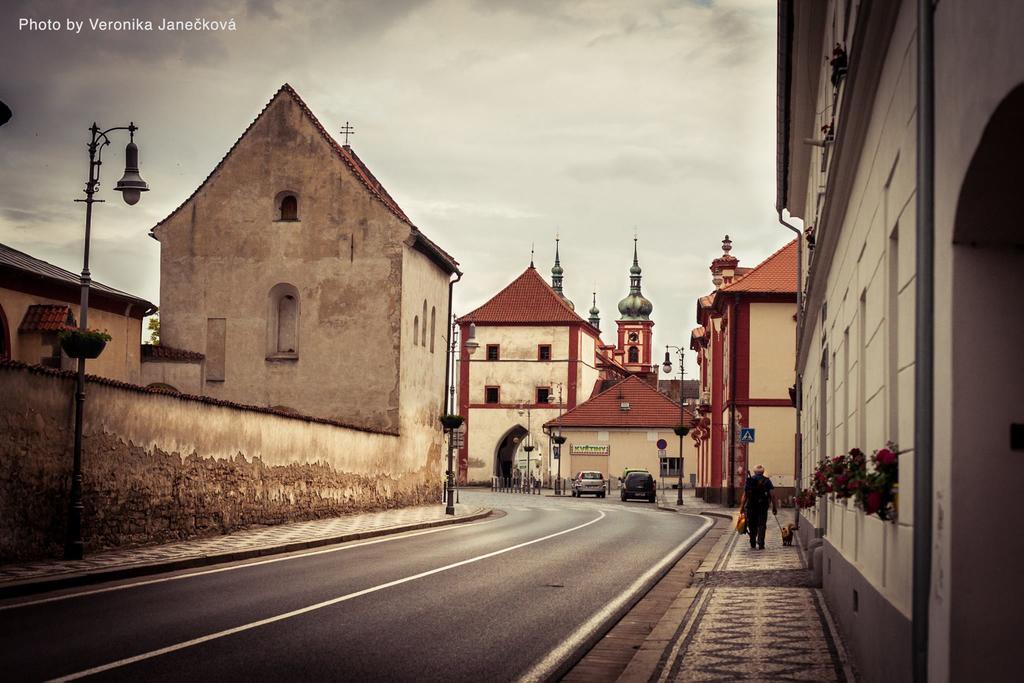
(423, 339)
(415, 330)
(283, 322)
(634, 354)
(433, 326)
(287, 206)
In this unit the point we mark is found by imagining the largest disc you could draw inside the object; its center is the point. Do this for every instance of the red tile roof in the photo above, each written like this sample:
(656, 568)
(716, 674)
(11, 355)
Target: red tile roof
(349, 157)
(169, 353)
(46, 318)
(527, 299)
(648, 408)
(777, 273)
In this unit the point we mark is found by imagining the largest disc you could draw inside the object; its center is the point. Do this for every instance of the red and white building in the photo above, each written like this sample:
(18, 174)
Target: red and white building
(537, 359)
(746, 347)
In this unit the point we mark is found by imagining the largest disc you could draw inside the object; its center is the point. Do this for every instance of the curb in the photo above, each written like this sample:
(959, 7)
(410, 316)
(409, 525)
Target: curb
(555, 666)
(50, 583)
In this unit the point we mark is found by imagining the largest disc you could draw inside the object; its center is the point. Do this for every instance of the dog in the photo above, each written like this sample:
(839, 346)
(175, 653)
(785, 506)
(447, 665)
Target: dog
(787, 534)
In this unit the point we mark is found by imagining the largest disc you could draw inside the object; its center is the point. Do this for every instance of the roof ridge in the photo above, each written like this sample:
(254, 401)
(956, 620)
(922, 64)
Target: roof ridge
(346, 154)
(549, 291)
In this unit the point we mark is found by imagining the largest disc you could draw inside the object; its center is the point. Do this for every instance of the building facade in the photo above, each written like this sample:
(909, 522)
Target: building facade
(289, 267)
(908, 341)
(536, 359)
(745, 345)
(38, 300)
(628, 425)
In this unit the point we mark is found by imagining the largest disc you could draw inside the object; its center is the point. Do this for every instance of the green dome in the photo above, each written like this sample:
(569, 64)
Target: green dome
(635, 307)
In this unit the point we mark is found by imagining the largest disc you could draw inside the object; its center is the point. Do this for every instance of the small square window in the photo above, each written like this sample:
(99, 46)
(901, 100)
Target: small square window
(544, 352)
(492, 395)
(493, 352)
(543, 395)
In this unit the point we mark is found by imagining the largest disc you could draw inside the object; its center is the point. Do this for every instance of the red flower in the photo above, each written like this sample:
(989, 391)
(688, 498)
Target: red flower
(873, 502)
(885, 457)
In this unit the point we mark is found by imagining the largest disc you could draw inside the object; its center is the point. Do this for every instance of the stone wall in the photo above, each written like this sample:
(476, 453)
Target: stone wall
(161, 467)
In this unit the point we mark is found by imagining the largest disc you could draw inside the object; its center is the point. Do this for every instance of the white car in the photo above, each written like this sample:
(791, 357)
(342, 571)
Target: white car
(588, 481)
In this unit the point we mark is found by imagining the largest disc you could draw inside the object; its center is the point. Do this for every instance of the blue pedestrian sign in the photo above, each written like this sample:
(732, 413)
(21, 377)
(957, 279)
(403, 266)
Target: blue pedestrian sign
(747, 435)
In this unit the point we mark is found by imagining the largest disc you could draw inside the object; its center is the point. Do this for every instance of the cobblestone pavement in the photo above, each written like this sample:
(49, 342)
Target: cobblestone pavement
(756, 617)
(240, 541)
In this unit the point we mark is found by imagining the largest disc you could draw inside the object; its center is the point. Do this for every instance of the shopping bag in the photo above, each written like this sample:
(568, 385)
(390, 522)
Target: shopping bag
(741, 524)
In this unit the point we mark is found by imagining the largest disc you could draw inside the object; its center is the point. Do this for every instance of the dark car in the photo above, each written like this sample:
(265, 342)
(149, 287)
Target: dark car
(639, 485)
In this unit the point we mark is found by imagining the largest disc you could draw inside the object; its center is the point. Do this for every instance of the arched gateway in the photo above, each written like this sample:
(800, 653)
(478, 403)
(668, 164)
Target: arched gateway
(505, 451)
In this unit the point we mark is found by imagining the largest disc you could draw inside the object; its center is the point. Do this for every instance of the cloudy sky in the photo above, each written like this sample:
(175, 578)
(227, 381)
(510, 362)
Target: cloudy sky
(493, 123)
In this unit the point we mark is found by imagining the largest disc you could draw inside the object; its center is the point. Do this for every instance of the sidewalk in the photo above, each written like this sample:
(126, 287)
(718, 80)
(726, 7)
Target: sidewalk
(33, 577)
(749, 615)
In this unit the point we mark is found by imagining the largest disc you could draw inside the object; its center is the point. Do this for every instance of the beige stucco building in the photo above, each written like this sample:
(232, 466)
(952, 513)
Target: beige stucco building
(536, 359)
(629, 424)
(38, 300)
(745, 345)
(917, 342)
(290, 267)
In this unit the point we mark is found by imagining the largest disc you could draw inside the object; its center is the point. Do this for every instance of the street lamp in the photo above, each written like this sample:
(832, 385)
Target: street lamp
(559, 441)
(525, 407)
(452, 421)
(682, 430)
(131, 185)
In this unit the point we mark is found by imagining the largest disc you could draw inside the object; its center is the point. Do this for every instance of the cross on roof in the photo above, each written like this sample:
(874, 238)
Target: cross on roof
(347, 130)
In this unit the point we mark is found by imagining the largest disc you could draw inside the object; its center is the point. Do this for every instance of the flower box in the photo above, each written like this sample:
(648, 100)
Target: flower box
(452, 421)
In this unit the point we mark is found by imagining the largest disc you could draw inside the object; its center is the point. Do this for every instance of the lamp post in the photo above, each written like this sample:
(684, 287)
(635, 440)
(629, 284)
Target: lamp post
(450, 420)
(525, 407)
(682, 430)
(131, 185)
(559, 441)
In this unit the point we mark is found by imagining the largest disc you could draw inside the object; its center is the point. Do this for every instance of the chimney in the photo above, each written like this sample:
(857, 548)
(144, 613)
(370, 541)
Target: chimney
(723, 268)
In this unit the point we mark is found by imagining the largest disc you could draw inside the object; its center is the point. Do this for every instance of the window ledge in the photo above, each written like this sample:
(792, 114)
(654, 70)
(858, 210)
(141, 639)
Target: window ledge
(282, 357)
(287, 220)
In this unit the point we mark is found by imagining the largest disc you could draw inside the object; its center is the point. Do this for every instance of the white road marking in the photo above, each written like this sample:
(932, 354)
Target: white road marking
(178, 577)
(546, 667)
(317, 606)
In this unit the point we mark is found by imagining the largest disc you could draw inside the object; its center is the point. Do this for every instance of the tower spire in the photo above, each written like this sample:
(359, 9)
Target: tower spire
(635, 306)
(556, 276)
(595, 315)
(531, 254)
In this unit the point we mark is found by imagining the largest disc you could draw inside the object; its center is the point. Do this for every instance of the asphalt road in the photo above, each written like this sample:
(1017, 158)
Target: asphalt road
(505, 598)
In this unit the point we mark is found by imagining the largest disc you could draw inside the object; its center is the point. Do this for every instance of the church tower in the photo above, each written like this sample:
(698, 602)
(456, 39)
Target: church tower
(595, 315)
(556, 278)
(634, 323)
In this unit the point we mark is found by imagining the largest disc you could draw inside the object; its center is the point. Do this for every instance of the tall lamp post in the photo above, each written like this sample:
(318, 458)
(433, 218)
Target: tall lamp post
(559, 442)
(682, 430)
(450, 420)
(525, 407)
(131, 186)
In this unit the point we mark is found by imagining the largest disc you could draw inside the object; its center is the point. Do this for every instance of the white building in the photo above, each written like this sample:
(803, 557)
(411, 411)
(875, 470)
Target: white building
(937, 592)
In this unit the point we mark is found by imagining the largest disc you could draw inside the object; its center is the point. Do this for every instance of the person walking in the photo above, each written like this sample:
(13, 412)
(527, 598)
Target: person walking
(758, 493)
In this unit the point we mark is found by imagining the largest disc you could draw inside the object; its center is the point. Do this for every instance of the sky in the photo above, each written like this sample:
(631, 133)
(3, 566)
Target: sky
(495, 125)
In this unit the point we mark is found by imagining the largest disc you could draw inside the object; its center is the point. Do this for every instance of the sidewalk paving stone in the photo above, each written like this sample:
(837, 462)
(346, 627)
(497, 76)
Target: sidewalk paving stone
(756, 615)
(246, 543)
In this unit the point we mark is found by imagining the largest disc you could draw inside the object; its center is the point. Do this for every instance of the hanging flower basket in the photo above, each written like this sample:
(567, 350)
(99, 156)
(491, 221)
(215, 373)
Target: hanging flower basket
(83, 343)
(528, 448)
(559, 439)
(681, 430)
(452, 421)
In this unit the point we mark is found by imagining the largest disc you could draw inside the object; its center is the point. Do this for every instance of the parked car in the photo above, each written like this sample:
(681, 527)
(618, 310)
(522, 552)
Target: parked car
(588, 481)
(639, 485)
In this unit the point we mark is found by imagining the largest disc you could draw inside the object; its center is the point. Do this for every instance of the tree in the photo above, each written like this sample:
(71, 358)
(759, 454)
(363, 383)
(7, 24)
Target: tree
(154, 330)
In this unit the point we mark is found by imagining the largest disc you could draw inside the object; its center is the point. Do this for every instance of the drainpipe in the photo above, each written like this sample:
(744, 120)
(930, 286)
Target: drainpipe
(798, 380)
(448, 365)
(732, 405)
(924, 327)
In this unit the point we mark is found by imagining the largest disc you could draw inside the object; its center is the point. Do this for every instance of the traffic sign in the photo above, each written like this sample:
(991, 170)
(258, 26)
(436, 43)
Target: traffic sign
(747, 435)
(662, 444)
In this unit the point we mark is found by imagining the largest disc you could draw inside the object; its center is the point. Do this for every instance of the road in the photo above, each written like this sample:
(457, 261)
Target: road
(505, 598)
